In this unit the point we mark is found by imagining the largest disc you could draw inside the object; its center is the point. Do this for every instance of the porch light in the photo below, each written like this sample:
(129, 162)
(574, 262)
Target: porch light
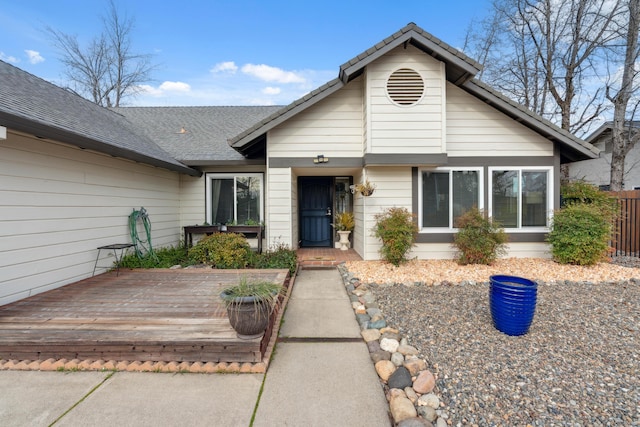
(320, 158)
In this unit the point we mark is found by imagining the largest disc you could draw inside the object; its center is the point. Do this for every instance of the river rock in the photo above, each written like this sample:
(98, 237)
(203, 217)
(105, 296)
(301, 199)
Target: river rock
(397, 359)
(370, 334)
(424, 383)
(407, 350)
(415, 422)
(385, 368)
(373, 346)
(430, 400)
(401, 378)
(415, 365)
(402, 409)
(379, 355)
(389, 344)
(411, 394)
(428, 413)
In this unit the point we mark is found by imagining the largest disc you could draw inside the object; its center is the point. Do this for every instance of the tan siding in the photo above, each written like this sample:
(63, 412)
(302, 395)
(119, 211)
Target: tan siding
(408, 129)
(333, 127)
(476, 129)
(59, 203)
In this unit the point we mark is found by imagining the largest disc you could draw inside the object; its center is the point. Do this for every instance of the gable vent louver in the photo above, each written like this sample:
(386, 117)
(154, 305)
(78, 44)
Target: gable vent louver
(405, 86)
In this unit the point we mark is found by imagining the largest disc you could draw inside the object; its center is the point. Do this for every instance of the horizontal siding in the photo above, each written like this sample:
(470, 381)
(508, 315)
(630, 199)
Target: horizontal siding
(406, 129)
(447, 251)
(333, 127)
(60, 203)
(278, 206)
(476, 129)
(393, 189)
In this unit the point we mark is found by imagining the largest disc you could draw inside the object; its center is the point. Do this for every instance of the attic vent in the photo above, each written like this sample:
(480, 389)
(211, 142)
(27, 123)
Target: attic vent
(405, 86)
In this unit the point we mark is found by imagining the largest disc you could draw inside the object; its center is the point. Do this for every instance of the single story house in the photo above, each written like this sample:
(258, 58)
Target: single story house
(406, 115)
(598, 171)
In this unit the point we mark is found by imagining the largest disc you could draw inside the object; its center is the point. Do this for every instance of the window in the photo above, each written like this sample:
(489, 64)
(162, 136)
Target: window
(234, 198)
(520, 197)
(447, 194)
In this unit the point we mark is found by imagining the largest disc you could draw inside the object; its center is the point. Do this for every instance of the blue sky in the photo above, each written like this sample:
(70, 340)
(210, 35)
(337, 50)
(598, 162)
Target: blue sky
(230, 52)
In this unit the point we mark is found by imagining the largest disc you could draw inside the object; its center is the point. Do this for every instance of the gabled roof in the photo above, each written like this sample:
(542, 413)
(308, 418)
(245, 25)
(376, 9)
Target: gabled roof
(460, 70)
(605, 130)
(32, 105)
(197, 136)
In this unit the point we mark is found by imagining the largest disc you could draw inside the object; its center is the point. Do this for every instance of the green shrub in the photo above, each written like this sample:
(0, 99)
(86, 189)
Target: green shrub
(580, 234)
(278, 256)
(222, 250)
(580, 192)
(162, 258)
(479, 240)
(396, 227)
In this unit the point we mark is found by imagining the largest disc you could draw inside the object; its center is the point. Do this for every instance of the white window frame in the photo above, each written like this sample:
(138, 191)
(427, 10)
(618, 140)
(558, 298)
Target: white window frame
(479, 170)
(212, 176)
(520, 169)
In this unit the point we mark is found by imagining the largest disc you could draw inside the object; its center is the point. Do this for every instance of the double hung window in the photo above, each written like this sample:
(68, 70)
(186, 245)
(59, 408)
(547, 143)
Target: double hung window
(234, 198)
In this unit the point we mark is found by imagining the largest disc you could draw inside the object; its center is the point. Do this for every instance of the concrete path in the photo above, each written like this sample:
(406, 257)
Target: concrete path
(320, 375)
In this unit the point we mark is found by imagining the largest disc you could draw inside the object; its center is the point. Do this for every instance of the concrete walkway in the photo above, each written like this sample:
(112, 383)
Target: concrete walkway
(320, 375)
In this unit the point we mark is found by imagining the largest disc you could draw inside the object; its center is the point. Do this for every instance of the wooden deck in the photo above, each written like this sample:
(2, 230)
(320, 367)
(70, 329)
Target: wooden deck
(140, 315)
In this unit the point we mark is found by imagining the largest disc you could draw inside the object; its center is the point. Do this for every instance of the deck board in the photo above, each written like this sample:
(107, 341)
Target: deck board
(144, 315)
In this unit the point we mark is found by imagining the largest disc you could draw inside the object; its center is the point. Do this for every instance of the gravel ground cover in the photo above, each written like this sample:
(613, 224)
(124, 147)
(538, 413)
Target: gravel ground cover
(579, 365)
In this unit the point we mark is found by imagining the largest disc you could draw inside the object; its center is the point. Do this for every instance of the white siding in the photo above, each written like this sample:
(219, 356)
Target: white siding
(279, 202)
(59, 203)
(447, 251)
(406, 129)
(333, 127)
(393, 189)
(475, 129)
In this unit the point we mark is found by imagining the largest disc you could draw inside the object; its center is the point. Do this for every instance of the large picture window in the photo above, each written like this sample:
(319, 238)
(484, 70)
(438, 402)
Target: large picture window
(447, 194)
(520, 197)
(234, 198)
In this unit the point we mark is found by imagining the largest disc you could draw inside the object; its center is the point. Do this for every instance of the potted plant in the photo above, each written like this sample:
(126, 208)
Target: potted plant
(365, 188)
(249, 306)
(344, 225)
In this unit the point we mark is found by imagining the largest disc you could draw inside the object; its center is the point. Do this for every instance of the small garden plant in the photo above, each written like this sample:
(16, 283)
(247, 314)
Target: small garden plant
(396, 227)
(263, 292)
(582, 228)
(344, 221)
(222, 250)
(479, 240)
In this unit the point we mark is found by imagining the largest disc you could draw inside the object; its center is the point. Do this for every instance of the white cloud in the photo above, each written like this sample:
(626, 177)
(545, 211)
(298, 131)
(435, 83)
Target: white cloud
(269, 90)
(175, 87)
(272, 74)
(225, 67)
(34, 56)
(9, 58)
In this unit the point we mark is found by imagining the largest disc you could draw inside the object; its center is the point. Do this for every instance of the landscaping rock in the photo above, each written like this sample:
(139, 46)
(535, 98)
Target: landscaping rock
(401, 378)
(402, 409)
(385, 368)
(424, 383)
(415, 365)
(389, 345)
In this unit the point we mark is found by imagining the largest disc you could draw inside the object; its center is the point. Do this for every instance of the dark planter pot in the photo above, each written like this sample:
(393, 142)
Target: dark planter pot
(513, 303)
(248, 317)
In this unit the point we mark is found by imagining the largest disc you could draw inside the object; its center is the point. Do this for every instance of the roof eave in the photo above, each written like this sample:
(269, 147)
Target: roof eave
(41, 130)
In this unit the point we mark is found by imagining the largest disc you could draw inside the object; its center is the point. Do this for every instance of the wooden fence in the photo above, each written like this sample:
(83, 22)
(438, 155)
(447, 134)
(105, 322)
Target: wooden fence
(626, 238)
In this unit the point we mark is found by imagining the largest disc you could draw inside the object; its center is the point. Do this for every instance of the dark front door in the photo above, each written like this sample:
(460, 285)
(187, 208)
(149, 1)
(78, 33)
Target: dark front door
(316, 204)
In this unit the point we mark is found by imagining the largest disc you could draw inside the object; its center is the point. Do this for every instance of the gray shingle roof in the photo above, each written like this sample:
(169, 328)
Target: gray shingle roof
(207, 129)
(32, 105)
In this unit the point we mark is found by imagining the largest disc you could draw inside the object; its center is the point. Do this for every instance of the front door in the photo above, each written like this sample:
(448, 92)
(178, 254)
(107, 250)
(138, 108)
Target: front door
(316, 204)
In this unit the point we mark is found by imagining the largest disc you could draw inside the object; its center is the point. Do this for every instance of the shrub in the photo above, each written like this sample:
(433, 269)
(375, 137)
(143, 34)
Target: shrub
(278, 256)
(162, 258)
(479, 240)
(580, 234)
(222, 250)
(580, 192)
(396, 228)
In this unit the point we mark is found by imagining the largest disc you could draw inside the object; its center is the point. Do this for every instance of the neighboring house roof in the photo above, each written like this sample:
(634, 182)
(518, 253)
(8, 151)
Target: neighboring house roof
(197, 136)
(32, 105)
(605, 130)
(460, 70)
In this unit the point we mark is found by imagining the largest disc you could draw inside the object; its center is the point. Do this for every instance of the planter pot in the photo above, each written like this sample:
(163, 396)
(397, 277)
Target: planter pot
(344, 240)
(248, 317)
(513, 303)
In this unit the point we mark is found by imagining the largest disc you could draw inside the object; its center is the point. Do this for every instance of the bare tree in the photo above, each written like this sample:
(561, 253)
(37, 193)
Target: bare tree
(546, 56)
(105, 71)
(624, 133)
